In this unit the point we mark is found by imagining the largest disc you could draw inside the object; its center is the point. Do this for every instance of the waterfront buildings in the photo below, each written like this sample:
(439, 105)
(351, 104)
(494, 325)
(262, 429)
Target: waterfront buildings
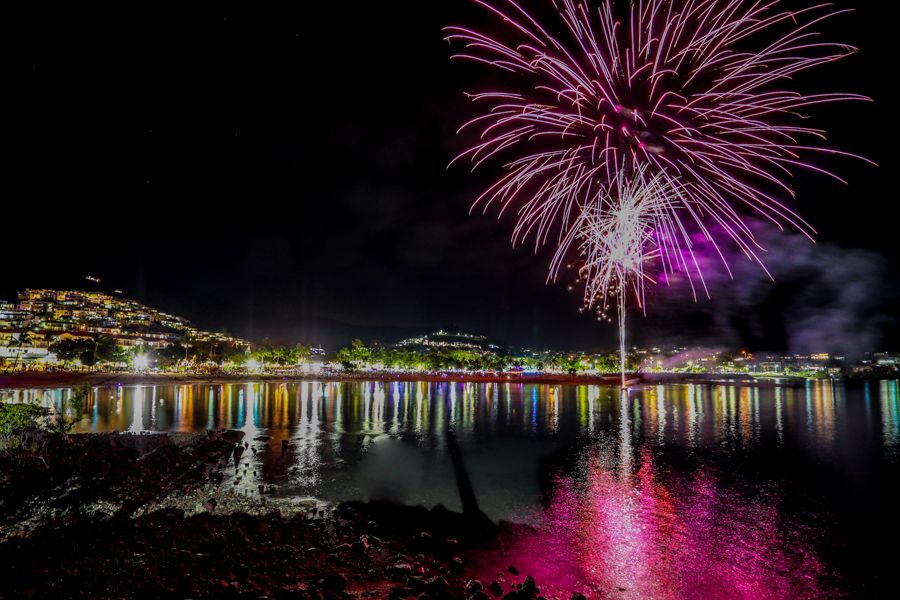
(449, 340)
(40, 317)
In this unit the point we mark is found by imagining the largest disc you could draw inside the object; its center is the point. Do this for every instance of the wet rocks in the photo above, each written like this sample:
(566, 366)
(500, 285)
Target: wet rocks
(456, 565)
(437, 586)
(161, 525)
(334, 582)
(399, 570)
(232, 436)
(527, 590)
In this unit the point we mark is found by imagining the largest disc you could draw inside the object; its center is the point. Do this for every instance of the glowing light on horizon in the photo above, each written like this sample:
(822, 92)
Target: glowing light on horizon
(141, 362)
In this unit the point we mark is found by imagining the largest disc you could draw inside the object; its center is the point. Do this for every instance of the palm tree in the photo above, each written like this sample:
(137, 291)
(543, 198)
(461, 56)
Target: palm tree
(23, 339)
(67, 350)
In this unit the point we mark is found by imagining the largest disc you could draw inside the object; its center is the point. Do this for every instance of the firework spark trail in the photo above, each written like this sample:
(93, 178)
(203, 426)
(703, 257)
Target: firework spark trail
(622, 233)
(631, 226)
(669, 84)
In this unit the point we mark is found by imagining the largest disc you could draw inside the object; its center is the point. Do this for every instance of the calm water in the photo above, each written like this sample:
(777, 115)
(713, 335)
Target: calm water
(697, 491)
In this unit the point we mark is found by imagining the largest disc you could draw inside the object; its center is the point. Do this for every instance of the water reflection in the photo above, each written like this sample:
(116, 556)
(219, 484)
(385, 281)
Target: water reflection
(663, 491)
(889, 394)
(618, 525)
(310, 414)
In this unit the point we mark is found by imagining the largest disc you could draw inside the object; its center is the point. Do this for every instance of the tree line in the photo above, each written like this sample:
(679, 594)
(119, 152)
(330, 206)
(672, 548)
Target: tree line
(358, 356)
(215, 354)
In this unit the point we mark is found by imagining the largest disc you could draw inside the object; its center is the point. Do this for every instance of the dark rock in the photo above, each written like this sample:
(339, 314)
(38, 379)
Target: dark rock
(358, 548)
(577, 596)
(456, 565)
(437, 586)
(334, 582)
(403, 566)
(401, 592)
(496, 588)
(415, 583)
(231, 436)
(527, 589)
(512, 569)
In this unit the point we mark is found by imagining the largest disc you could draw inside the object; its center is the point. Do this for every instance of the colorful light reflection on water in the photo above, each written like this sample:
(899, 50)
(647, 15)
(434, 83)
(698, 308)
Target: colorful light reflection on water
(618, 525)
(680, 491)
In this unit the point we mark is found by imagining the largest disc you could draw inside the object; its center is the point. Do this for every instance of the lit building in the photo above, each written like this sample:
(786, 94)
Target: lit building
(51, 315)
(446, 339)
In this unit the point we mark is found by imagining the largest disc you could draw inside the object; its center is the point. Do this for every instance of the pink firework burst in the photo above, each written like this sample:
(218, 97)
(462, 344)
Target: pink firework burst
(697, 92)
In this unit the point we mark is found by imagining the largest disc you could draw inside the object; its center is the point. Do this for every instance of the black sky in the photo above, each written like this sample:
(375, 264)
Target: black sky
(281, 173)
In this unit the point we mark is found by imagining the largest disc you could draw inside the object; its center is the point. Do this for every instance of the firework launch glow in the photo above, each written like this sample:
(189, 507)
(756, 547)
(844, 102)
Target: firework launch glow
(692, 98)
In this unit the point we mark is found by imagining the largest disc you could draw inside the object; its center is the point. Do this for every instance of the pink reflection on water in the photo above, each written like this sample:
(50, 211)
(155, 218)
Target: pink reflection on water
(611, 533)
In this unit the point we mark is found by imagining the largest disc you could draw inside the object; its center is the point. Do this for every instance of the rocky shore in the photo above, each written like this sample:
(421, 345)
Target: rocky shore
(146, 516)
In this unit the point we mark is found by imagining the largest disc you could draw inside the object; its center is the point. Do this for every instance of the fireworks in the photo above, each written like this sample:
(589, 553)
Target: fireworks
(642, 128)
(620, 235)
(696, 90)
(629, 228)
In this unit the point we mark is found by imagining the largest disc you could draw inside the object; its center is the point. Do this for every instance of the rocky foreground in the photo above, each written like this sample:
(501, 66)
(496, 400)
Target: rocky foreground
(116, 516)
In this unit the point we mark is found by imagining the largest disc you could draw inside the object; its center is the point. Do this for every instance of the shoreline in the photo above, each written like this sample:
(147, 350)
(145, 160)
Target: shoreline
(63, 379)
(157, 507)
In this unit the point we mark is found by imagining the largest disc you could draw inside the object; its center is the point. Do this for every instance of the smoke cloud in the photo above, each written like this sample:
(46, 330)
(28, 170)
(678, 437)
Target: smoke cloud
(824, 298)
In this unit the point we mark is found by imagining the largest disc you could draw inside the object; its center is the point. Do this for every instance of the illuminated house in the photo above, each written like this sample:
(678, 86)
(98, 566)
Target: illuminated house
(447, 339)
(51, 315)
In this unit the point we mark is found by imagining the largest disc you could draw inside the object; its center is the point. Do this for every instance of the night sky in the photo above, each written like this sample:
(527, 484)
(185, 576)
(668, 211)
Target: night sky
(283, 174)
